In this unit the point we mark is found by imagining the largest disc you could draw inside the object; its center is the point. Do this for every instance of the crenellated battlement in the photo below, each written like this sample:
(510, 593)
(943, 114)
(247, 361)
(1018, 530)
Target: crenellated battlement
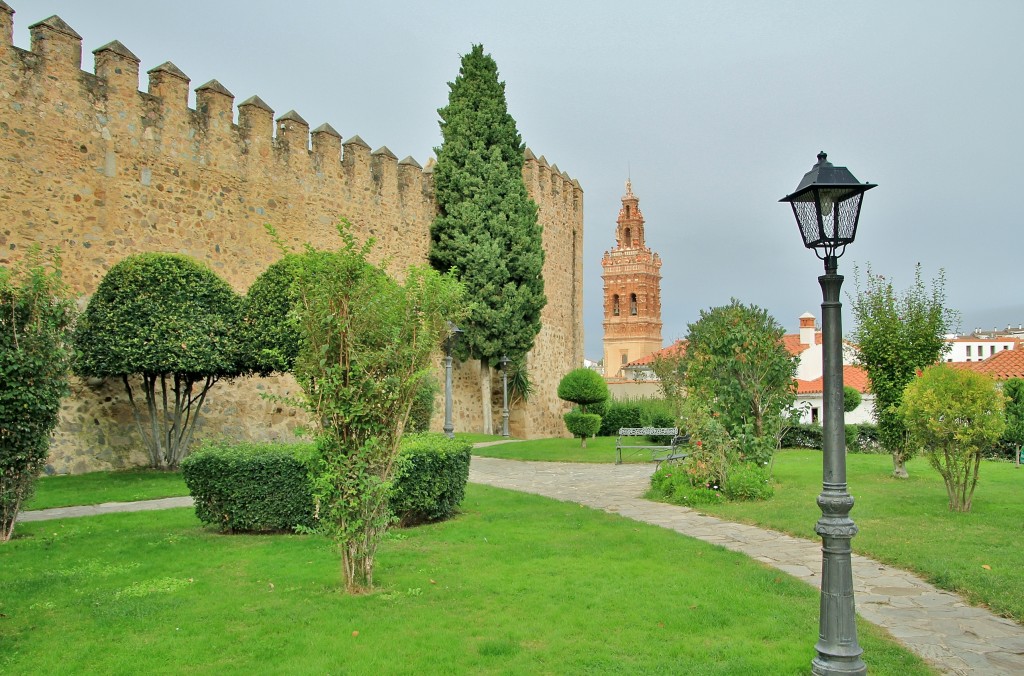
(103, 170)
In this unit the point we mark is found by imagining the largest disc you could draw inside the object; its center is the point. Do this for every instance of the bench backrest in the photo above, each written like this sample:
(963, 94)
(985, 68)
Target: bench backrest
(648, 431)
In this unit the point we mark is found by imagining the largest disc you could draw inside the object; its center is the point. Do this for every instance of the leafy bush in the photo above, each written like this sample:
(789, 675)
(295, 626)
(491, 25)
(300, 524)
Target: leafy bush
(747, 481)
(430, 479)
(582, 425)
(35, 319)
(267, 326)
(851, 399)
(862, 438)
(249, 487)
(423, 405)
(671, 483)
(620, 414)
(953, 415)
(803, 436)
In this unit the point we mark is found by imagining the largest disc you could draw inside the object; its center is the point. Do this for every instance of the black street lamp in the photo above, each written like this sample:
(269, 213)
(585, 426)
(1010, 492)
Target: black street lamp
(504, 395)
(454, 333)
(827, 207)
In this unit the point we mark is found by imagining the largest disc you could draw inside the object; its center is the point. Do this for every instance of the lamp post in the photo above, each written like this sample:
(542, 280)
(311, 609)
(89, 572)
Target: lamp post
(827, 206)
(449, 344)
(504, 395)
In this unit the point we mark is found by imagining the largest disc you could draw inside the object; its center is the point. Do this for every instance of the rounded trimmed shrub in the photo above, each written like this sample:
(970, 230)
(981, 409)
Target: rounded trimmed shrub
(430, 478)
(582, 425)
(249, 487)
(584, 387)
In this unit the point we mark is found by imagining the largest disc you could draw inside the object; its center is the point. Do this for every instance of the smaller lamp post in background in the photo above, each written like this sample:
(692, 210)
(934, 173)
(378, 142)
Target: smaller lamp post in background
(454, 333)
(504, 395)
(827, 206)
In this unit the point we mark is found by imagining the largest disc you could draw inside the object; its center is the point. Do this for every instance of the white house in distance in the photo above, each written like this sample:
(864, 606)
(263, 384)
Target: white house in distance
(976, 347)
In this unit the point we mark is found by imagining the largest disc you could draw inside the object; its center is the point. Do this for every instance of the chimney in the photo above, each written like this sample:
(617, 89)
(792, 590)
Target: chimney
(807, 329)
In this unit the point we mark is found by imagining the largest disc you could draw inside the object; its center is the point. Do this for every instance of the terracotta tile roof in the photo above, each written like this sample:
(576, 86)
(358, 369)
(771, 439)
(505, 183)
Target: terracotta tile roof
(793, 344)
(1003, 365)
(677, 348)
(854, 376)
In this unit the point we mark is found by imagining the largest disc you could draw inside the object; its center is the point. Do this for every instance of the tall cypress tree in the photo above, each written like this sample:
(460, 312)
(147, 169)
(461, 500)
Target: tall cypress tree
(486, 228)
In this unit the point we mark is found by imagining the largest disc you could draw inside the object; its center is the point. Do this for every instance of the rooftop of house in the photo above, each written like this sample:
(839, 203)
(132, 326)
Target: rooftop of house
(1003, 365)
(853, 376)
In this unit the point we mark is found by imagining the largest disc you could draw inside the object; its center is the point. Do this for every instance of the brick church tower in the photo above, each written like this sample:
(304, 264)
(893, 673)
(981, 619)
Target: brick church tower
(632, 292)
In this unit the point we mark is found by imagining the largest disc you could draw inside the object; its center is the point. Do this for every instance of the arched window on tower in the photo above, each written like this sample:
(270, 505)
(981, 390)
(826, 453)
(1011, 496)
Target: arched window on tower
(627, 211)
(629, 238)
(632, 304)
(615, 305)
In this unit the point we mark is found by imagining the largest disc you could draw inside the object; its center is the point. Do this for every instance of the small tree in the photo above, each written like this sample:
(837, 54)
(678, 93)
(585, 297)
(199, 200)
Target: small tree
(173, 322)
(583, 387)
(366, 344)
(851, 399)
(953, 415)
(35, 319)
(1013, 435)
(670, 370)
(269, 333)
(736, 363)
(897, 336)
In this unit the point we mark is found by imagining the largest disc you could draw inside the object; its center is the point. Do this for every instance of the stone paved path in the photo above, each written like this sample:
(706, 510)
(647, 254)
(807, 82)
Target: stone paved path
(937, 625)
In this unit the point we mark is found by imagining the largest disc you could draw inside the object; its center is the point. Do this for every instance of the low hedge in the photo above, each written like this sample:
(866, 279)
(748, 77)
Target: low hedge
(430, 479)
(250, 487)
(862, 438)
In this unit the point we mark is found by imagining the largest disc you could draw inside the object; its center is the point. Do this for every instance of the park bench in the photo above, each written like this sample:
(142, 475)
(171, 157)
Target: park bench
(659, 453)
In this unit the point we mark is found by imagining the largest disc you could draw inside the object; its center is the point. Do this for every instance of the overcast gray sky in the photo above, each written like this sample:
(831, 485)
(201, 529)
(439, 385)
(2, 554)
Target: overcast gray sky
(716, 109)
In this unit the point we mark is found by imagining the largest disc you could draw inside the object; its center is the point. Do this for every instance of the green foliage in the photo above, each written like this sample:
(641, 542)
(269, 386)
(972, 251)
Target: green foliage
(422, 409)
(249, 487)
(736, 364)
(670, 369)
(862, 438)
(851, 399)
(486, 228)
(173, 322)
(712, 449)
(430, 480)
(582, 425)
(746, 481)
(366, 342)
(621, 414)
(671, 483)
(36, 314)
(267, 323)
(953, 415)
(897, 335)
(1013, 435)
(583, 387)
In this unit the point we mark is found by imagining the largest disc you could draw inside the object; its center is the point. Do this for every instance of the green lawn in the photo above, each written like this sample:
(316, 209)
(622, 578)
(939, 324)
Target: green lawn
(517, 584)
(599, 449)
(907, 523)
(99, 487)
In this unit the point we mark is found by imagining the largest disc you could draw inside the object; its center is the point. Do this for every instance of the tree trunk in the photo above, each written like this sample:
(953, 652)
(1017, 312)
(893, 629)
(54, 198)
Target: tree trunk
(485, 396)
(899, 466)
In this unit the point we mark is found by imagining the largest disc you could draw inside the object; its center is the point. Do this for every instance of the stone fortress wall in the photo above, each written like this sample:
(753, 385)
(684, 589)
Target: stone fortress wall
(102, 170)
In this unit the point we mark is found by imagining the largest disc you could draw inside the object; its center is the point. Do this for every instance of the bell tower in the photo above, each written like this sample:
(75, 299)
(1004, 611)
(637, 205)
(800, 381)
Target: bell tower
(632, 291)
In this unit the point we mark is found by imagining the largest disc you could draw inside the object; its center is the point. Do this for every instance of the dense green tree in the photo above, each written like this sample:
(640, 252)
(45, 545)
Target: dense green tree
(486, 228)
(851, 399)
(953, 415)
(736, 363)
(588, 390)
(1013, 435)
(897, 335)
(268, 329)
(171, 321)
(36, 313)
(365, 347)
(668, 367)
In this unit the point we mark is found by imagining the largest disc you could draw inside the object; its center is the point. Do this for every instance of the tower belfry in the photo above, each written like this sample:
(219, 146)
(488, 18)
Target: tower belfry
(632, 291)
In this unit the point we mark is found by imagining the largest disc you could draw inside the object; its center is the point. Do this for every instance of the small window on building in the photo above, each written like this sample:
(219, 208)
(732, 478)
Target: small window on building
(991, 350)
(627, 211)
(950, 359)
(615, 305)
(625, 358)
(1006, 347)
(968, 351)
(814, 415)
(981, 350)
(629, 237)
(632, 304)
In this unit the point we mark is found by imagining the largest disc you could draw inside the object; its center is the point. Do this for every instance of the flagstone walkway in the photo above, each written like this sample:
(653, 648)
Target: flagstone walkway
(937, 625)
